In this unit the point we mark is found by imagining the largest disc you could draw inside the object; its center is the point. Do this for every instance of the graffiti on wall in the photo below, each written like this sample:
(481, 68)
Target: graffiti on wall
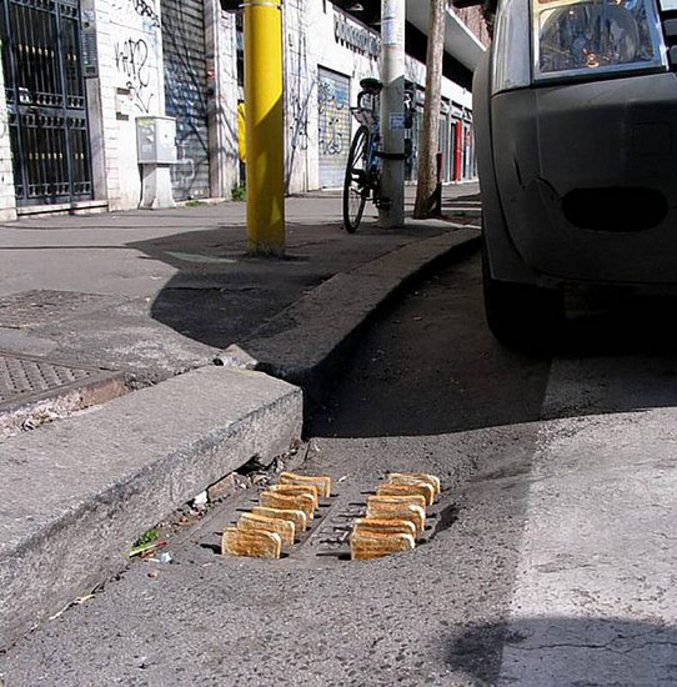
(189, 89)
(145, 9)
(138, 25)
(300, 91)
(131, 60)
(298, 119)
(140, 14)
(333, 111)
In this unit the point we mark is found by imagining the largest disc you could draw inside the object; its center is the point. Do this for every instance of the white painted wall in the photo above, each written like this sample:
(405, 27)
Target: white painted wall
(132, 84)
(7, 197)
(227, 93)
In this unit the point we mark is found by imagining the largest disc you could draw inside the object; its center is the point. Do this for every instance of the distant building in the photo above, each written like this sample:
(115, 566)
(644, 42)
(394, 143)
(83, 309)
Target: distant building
(77, 73)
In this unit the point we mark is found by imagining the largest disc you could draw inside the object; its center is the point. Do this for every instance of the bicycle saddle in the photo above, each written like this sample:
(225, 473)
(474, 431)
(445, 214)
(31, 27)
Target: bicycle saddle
(371, 85)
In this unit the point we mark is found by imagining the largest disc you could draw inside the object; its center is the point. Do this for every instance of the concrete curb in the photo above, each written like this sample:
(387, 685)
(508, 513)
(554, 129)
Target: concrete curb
(78, 492)
(308, 342)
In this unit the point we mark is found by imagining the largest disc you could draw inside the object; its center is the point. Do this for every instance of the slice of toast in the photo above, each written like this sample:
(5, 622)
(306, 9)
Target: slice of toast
(253, 521)
(409, 477)
(382, 508)
(394, 489)
(256, 543)
(368, 546)
(384, 526)
(298, 517)
(302, 502)
(414, 499)
(296, 489)
(322, 482)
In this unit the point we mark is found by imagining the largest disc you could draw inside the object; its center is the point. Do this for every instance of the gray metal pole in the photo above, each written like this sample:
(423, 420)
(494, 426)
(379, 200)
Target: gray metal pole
(391, 214)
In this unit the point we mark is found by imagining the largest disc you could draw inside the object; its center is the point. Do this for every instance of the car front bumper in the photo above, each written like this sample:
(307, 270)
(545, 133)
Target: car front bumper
(586, 176)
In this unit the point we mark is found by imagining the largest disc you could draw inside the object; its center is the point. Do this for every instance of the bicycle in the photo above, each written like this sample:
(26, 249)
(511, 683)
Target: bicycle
(363, 171)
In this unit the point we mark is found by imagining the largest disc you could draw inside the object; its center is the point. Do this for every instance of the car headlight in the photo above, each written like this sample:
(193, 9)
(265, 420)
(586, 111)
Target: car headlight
(539, 41)
(595, 37)
(510, 61)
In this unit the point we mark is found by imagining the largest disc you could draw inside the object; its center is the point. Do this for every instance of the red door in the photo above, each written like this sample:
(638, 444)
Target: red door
(458, 162)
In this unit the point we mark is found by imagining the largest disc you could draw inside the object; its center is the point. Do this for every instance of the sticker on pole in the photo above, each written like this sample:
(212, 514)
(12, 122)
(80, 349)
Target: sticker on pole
(390, 27)
(397, 121)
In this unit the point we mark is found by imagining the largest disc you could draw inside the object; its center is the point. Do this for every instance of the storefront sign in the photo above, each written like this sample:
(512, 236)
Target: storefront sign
(355, 36)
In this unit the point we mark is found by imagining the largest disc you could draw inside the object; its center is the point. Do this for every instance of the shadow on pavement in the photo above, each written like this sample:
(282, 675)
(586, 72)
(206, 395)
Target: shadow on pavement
(432, 366)
(536, 652)
(621, 325)
(220, 295)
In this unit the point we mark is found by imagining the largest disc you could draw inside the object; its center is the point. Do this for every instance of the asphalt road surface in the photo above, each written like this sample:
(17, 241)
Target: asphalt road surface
(552, 558)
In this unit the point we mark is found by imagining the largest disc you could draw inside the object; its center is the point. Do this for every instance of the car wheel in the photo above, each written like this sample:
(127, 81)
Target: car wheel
(522, 316)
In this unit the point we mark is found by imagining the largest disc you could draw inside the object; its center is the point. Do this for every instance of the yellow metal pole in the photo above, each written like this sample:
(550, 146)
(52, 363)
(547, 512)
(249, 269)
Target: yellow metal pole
(264, 126)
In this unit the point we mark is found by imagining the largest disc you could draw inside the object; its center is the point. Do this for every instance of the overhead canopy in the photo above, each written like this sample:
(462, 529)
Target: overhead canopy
(459, 40)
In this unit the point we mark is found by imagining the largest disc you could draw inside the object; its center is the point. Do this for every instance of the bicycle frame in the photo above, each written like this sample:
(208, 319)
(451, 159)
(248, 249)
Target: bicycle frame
(367, 113)
(363, 170)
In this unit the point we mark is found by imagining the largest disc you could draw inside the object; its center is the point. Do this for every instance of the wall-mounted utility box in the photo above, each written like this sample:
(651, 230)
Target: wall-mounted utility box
(156, 140)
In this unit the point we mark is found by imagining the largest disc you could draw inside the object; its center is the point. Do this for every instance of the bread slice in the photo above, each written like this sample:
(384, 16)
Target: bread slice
(253, 521)
(414, 499)
(296, 489)
(394, 489)
(256, 543)
(298, 517)
(322, 482)
(368, 546)
(303, 502)
(384, 526)
(412, 477)
(381, 507)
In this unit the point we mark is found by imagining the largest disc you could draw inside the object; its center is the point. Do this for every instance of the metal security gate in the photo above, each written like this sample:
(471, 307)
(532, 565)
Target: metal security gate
(46, 105)
(183, 43)
(333, 101)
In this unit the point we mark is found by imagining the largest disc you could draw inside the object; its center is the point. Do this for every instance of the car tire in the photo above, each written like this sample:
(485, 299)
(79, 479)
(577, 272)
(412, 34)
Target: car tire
(522, 316)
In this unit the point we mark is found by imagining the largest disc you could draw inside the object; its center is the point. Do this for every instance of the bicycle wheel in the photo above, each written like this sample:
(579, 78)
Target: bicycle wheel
(356, 184)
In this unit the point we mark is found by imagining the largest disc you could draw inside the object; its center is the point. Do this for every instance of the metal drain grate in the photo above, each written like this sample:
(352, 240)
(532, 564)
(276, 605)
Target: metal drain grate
(23, 378)
(325, 543)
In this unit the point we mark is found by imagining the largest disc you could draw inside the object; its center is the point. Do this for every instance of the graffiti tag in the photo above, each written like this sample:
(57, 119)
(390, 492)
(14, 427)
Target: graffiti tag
(143, 9)
(332, 113)
(299, 122)
(131, 60)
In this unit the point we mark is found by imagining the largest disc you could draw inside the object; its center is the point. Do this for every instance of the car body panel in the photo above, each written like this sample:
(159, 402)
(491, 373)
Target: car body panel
(609, 142)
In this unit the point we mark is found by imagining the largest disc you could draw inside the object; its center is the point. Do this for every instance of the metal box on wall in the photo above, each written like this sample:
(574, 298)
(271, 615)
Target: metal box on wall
(156, 140)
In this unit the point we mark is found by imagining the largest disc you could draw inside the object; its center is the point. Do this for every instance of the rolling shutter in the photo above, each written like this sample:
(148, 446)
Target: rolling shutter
(333, 95)
(183, 44)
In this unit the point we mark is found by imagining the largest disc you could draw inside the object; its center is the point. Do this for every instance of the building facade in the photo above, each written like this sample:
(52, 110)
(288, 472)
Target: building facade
(76, 75)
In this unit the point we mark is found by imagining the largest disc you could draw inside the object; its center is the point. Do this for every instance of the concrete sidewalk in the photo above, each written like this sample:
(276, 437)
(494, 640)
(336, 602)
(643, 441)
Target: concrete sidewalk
(91, 307)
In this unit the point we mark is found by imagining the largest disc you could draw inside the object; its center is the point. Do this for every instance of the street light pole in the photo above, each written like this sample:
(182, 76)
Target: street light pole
(264, 130)
(391, 212)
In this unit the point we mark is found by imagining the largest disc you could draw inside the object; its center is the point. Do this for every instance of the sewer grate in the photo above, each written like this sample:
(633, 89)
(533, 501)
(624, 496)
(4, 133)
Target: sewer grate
(31, 308)
(25, 378)
(326, 540)
(330, 539)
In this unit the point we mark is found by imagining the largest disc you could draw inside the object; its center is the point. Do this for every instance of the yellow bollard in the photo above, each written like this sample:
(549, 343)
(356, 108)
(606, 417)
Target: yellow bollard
(264, 132)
